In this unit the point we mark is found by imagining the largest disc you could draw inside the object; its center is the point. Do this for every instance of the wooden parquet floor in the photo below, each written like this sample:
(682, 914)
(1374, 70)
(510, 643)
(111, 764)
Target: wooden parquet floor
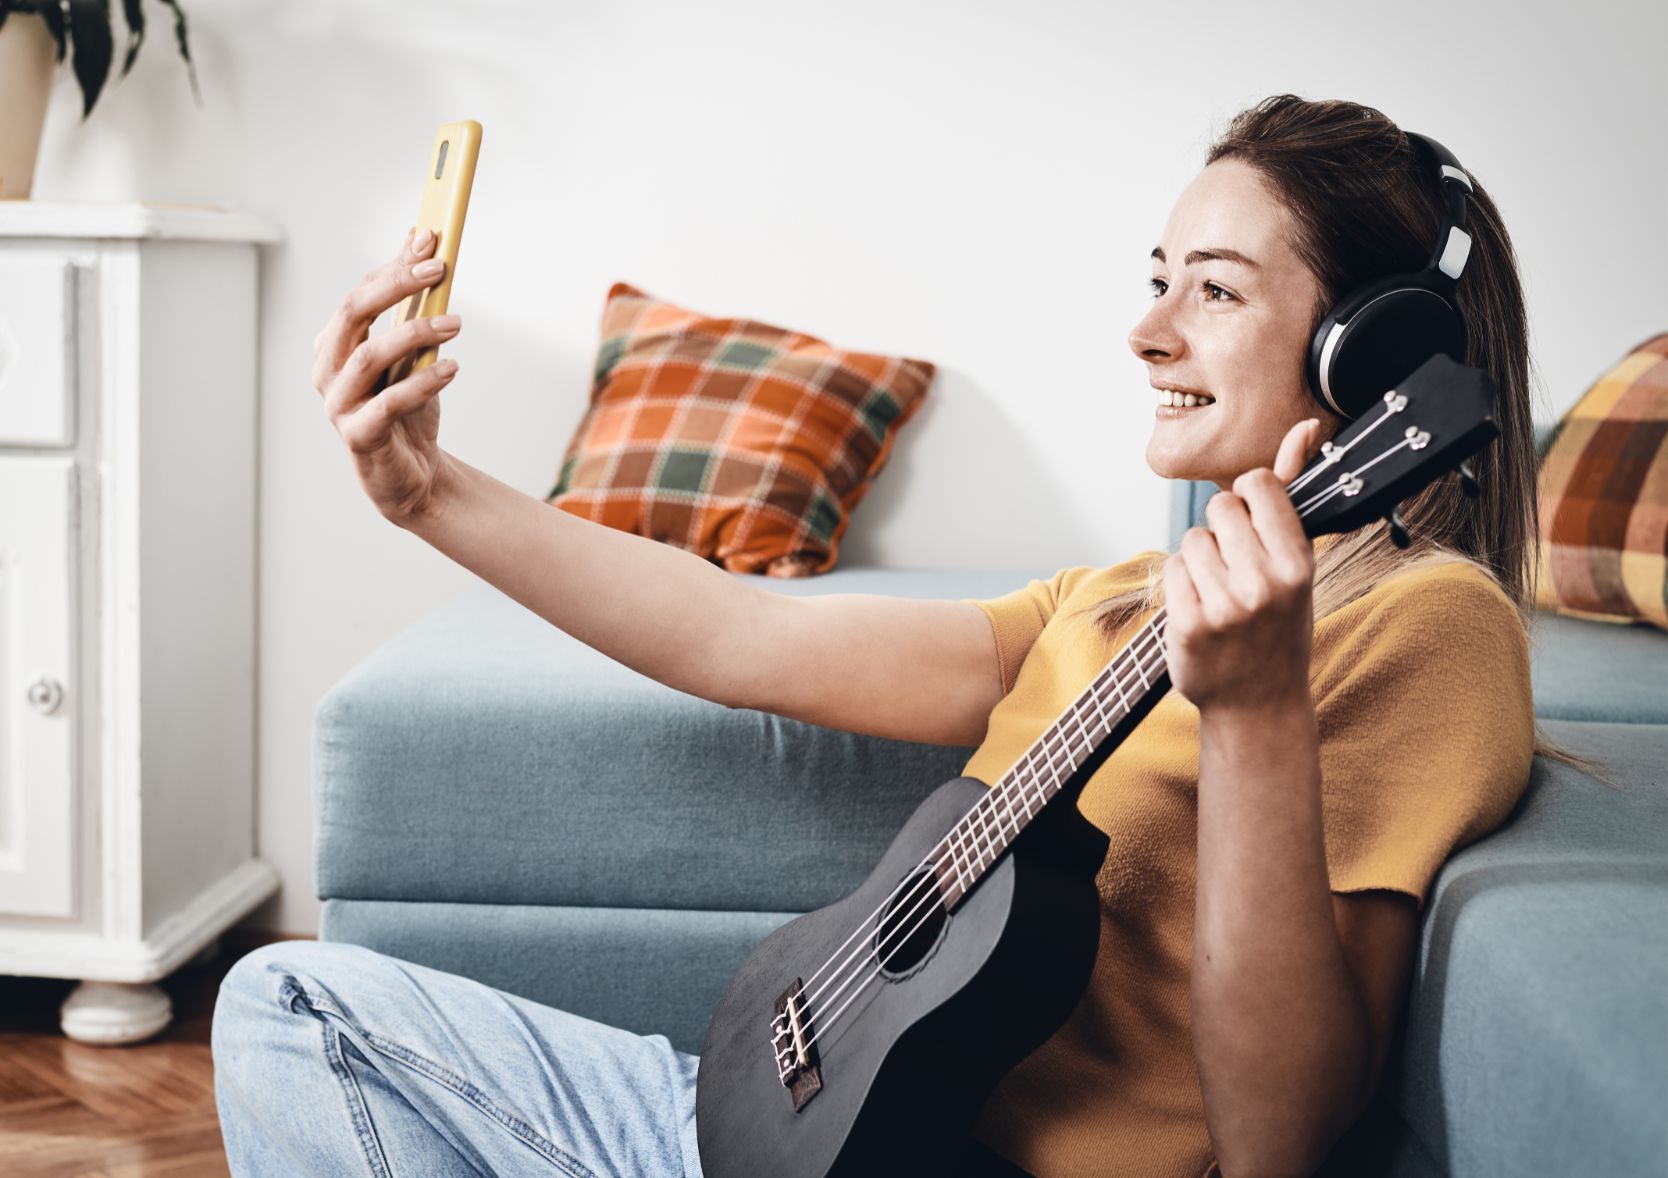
(141, 1111)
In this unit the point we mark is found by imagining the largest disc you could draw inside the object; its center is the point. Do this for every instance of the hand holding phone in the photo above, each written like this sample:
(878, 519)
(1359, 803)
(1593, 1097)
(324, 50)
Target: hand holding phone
(381, 391)
(450, 176)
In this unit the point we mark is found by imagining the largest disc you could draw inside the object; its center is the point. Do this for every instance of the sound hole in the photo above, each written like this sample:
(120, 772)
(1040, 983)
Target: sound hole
(913, 922)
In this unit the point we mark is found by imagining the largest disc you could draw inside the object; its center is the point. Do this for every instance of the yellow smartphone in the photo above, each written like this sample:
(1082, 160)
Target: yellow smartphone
(451, 173)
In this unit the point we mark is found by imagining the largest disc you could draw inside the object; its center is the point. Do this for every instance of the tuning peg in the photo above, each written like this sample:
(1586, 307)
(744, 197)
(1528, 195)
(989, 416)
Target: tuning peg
(1468, 480)
(1398, 528)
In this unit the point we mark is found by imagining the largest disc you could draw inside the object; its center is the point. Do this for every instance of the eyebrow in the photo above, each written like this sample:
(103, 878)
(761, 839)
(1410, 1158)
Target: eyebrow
(1226, 255)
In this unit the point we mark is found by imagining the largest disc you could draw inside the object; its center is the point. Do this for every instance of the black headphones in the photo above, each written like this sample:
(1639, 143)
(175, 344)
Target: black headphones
(1380, 332)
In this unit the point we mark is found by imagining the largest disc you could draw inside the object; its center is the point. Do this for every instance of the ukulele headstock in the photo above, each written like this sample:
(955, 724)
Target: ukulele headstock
(1430, 423)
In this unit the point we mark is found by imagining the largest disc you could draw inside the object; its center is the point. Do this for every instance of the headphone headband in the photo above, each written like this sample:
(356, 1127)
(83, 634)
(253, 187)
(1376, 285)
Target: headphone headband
(1453, 243)
(1379, 332)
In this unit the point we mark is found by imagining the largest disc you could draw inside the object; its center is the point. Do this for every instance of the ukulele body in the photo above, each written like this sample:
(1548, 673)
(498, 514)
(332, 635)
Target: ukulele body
(905, 1068)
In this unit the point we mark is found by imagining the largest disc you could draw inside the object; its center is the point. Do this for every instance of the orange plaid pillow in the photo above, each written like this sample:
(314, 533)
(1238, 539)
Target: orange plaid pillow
(746, 443)
(1604, 497)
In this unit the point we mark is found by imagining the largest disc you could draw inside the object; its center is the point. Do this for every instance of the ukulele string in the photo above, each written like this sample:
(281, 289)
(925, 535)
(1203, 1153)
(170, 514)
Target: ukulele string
(965, 821)
(1149, 631)
(1301, 482)
(916, 878)
(921, 903)
(814, 1020)
(823, 1028)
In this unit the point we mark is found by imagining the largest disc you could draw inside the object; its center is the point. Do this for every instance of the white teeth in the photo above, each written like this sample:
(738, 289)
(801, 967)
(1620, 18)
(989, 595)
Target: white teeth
(1182, 400)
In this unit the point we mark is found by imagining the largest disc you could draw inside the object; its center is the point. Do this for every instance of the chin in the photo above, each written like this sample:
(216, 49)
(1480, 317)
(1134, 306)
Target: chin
(1177, 466)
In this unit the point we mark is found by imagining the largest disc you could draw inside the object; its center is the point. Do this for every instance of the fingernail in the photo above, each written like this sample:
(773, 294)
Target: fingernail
(446, 322)
(429, 268)
(423, 238)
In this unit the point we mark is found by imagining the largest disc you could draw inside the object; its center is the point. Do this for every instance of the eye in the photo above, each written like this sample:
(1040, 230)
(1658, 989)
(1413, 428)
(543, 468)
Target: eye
(1159, 286)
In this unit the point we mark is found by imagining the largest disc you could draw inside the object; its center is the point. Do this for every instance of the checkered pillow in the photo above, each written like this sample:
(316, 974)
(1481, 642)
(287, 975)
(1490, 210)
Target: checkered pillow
(1604, 496)
(746, 443)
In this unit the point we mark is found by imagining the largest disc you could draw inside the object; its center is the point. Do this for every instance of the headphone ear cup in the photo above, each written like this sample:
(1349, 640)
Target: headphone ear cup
(1375, 336)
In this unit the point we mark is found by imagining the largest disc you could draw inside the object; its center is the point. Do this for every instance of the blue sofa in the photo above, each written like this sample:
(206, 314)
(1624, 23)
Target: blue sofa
(496, 799)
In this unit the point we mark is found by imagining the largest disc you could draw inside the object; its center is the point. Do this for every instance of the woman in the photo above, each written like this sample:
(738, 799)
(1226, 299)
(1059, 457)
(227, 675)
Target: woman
(1275, 821)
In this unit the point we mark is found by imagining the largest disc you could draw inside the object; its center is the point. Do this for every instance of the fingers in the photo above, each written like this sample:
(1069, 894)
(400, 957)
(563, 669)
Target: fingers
(1207, 574)
(1287, 548)
(366, 365)
(380, 289)
(1181, 602)
(1295, 448)
(1287, 551)
(367, 428)
(1241, 547)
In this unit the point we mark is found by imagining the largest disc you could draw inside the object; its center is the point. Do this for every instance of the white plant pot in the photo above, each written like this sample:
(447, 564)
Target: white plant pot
(27, 55)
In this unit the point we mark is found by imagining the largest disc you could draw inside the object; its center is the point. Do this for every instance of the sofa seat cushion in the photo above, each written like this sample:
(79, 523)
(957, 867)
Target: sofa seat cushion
(1540, 1002)
(1592, 670)
(484, 756)
(655, 971)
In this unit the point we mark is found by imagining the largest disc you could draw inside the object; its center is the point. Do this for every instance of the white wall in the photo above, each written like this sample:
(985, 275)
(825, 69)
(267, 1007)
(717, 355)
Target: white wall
(972, 183)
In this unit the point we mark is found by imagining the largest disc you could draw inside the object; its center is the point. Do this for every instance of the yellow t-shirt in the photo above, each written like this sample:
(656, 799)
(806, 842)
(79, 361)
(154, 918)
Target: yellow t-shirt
(1423, 701)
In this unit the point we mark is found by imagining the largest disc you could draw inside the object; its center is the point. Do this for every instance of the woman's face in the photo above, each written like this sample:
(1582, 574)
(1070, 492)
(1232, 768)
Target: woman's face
(1235, 327)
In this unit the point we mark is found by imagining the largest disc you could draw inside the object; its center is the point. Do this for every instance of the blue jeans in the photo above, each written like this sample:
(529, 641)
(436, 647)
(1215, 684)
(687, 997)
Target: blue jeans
(335, 1060)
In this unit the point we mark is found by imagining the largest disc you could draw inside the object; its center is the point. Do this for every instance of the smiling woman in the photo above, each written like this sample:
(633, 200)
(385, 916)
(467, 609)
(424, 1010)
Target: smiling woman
(1344, 716)
(1272, 838)
(1227, 330)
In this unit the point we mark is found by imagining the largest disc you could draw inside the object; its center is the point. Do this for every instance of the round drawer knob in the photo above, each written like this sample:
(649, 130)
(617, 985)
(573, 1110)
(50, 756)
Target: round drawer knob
(46, 694)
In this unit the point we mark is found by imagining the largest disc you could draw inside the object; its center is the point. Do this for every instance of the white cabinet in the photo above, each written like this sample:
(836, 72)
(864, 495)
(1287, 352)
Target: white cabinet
(127, 596)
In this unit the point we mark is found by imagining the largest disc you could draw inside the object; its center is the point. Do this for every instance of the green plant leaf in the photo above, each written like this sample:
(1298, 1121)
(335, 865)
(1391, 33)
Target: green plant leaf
(89, 23)
(185, 49)
(134, 14)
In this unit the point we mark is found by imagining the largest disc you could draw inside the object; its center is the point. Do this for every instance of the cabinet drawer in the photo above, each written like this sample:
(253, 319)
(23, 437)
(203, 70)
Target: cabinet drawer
(37, 351)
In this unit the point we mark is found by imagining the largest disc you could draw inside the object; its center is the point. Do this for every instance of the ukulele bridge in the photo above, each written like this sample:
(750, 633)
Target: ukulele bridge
(793, 1044)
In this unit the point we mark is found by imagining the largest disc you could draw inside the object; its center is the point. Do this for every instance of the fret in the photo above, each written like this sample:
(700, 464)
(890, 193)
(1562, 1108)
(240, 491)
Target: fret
(1101, 704)
(1087, 734)
(1101, 726)
(1119, 688)
(979, 829)
(1055, 760)
(1139, 670)
(1036, 778)
(1088, 740)
(958, 859)
(1003, 811)
(987, 830)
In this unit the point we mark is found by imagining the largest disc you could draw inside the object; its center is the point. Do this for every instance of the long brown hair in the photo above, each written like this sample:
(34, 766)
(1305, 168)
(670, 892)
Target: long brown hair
(1363, 205)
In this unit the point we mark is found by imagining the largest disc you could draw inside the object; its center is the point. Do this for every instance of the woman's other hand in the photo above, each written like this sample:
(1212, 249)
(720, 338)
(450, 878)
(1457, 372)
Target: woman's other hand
(391, 430)
(1240, 623)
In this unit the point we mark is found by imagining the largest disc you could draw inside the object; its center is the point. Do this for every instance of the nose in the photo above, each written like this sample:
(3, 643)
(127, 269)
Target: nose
(1155, 336)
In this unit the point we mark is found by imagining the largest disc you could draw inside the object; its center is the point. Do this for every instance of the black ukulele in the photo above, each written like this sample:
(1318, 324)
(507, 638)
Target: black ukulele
(863, 1038)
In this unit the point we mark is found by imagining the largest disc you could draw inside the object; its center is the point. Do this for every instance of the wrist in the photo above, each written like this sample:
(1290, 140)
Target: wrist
(1257, 710)
(446, 490)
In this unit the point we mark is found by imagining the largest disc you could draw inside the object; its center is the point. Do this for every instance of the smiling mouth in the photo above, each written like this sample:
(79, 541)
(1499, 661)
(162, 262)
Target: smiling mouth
(1179, 400)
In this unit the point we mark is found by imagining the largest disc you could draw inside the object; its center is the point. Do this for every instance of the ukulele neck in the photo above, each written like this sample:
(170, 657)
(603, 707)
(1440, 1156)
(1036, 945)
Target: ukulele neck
(1060, 761)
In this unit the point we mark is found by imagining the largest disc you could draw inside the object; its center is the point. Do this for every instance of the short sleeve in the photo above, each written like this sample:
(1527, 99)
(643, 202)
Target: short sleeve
(1017, 618)
(1427, 727)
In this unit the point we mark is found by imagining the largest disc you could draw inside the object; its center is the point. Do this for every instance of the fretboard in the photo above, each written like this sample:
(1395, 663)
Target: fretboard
(1060, 761)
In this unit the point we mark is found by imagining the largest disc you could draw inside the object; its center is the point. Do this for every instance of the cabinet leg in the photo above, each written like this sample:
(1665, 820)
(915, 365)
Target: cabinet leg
(115, 1012)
